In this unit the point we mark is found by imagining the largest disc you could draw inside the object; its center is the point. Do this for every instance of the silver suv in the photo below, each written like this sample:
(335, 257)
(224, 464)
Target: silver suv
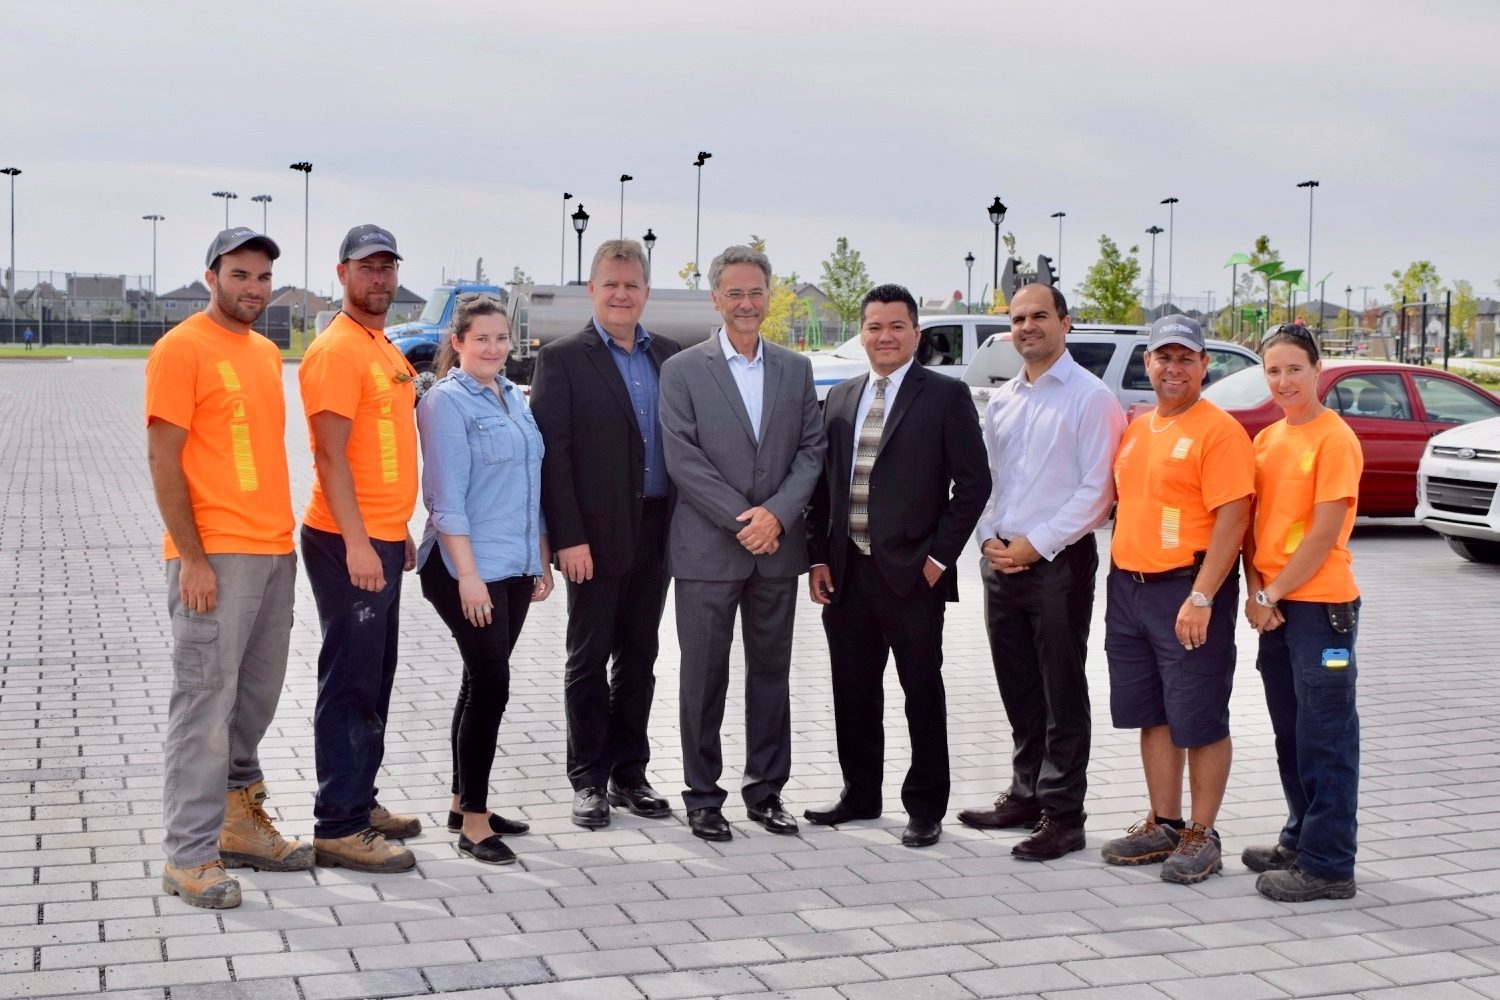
(1116, 354)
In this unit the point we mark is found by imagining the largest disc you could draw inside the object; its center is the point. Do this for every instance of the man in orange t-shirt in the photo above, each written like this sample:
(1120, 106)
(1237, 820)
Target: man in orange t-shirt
(215, 432)
(360, 403)
(1184, 476)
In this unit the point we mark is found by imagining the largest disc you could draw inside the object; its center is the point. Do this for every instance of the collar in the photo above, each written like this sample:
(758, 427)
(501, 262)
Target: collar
(1062, 369)
(468, 381)
(730, 353)
(642, 336)
(372, 334)
(895, 378)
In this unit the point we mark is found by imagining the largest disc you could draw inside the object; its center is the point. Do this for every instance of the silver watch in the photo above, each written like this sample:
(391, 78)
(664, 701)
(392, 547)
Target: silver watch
(1263, 600)
(1199, 600)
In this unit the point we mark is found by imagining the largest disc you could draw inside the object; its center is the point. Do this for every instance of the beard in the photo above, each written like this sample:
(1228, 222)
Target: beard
(241, 312)
(373, 303)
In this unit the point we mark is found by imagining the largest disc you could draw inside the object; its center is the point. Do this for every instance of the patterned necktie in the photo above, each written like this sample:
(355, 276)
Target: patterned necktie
(864, 461)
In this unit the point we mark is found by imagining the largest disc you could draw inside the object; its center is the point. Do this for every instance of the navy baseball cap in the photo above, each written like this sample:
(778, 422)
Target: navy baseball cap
(232, 239)
(365, 241)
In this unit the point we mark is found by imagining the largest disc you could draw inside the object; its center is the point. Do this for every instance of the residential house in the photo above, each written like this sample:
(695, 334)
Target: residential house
(44, 300)
(180, 303)
(406, 306)
(96, 296)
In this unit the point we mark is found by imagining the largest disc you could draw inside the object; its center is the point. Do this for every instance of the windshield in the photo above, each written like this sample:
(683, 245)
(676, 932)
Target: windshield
(851, 350)
(433, 313)
(1241, 390)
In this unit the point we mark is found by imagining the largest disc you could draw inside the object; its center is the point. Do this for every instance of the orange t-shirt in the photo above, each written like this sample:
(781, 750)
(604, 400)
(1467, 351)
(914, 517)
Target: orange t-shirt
(1295, 468)
(358, 374)
(224, 389)
(1170, 477)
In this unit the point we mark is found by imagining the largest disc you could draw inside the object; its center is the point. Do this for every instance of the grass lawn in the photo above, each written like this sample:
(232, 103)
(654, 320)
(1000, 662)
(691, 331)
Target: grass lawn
(9, 351)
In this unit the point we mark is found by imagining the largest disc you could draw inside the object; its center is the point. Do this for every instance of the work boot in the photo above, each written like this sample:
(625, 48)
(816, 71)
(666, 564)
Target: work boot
(392, 825)
(249, 840)
(204, 885)
(1196, 858)
(1268, 859)
(1294, 885)
(366, 851)
(1146, 842)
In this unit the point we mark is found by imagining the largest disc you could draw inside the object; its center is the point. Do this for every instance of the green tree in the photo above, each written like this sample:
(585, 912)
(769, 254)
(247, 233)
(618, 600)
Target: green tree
(1420, 276)
(519, 277)
(845, 281)
(1252, 287)
(689, 274)
(1009, 239)
(1108, 293)
(1465, 307)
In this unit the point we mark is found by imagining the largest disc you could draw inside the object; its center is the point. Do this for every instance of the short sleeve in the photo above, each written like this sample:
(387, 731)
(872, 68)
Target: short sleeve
(329, 383)
(172, 382)
(1340, 463)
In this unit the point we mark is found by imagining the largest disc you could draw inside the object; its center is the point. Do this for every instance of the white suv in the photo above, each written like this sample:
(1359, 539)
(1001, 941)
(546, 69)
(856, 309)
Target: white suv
(1456, 489)
(1116, 354)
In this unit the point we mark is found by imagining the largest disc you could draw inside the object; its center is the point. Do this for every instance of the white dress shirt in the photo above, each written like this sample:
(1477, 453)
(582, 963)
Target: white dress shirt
(749, 377)
(1051, 446)
(867, 397)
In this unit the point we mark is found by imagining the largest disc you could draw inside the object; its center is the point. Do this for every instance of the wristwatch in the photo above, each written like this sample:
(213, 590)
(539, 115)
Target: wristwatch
(1263, 600)
(1199, 600)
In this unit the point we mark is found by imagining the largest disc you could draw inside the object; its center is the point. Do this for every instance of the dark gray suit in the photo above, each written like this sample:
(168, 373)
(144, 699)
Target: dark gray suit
(719, 471)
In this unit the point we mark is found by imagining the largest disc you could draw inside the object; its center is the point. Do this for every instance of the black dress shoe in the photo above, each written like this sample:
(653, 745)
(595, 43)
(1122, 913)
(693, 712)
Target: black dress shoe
(640, 799)
(771, 814)
(590, 809)
(1051, 840)
(921, 832)
(490, 850)
(708, 823)
(841, 811)
(1006, 814)
(499, 824)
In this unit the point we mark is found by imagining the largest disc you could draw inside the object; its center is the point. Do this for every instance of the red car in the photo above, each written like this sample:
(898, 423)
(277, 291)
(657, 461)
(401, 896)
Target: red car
(1393, 408)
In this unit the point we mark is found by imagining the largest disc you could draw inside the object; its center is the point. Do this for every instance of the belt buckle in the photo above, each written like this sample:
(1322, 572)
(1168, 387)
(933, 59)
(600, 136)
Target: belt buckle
(1136, 575)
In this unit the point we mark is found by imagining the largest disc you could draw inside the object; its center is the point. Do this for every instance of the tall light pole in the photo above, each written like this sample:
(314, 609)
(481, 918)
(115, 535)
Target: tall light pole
(562, 253)
(969, 293)
(1311, 186)
(650, 241)
(154, 219)
(623, 179)
(1171, 204)
(580, 223)
(1155, 231)
(226, 195)
(1349, 314)
(265, 201)
(1057, 271)
(10, 286)
(997, 216)
(305, 169)
(698, 215)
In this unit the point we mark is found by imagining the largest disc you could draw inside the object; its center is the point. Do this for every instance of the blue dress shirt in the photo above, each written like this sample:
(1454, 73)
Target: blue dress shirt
(642, 384)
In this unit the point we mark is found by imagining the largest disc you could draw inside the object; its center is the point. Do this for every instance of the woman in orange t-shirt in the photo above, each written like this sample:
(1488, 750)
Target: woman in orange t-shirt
(1305, 605)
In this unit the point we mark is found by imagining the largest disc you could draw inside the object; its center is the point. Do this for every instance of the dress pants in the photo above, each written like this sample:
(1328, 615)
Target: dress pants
(615, 616)
(866, 624)
(1038, 626)
(706, 611)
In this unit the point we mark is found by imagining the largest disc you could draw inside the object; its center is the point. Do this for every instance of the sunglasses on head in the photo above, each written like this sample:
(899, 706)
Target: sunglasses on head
(1295, 330)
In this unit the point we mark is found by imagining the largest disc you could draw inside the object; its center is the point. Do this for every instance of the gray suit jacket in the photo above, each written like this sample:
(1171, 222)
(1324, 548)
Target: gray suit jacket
(720, 471)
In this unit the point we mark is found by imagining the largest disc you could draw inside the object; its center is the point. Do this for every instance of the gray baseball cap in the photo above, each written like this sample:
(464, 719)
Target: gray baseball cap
(232, 239)
(365, 241)
(1176, 329)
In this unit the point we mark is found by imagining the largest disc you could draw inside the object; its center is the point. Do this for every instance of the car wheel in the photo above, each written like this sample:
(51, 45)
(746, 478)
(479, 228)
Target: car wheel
(426, 379)
(1475, 550)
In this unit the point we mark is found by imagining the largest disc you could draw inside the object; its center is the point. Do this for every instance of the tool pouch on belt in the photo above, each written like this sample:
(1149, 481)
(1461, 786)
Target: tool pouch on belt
(1341, 617)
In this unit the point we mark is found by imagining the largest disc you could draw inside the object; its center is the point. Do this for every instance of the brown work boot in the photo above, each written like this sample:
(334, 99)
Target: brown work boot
(248, 839)
(393, 826)
(366, 851)
(204, 885)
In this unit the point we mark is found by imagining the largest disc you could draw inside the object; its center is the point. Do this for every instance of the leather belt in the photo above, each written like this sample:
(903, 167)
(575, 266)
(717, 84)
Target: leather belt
(1168, 574)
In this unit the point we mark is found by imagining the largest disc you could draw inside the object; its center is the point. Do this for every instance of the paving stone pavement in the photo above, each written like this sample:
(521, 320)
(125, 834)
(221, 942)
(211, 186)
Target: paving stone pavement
(642, 909)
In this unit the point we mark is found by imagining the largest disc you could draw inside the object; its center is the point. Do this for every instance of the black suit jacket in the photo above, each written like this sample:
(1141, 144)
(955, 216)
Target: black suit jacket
(928, 486)
(593, 470)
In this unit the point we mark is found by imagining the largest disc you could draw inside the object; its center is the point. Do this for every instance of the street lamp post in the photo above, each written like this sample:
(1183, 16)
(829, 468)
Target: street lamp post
(562, 253)
(1155, 231)
(154, 219)
(227, 196)
(580, 223)
(1349, 313)
(265, 201)
(1057, 271)
(650, 241)
(969, 293)
(1311, 186)
(997, 216)
(10, 281)
(698, 214)
(623, 179)
(1171, 204)
(304, 168)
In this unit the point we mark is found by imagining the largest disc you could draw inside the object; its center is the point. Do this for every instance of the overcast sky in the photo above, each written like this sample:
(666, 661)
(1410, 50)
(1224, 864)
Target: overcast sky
(458, 125)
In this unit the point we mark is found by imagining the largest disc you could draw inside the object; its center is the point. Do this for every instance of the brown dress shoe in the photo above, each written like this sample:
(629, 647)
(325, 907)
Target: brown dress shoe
(249, 840)
(1050, 841)
(1006, 814)
(366, 851)
(205, 885)
(394, 826)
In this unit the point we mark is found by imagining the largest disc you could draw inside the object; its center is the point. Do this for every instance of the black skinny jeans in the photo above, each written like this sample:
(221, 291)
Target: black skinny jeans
(486, 680)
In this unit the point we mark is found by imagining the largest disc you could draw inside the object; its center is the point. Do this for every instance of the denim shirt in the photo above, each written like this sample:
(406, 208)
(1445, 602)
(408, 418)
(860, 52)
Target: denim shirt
(643, 385)
(481, 475)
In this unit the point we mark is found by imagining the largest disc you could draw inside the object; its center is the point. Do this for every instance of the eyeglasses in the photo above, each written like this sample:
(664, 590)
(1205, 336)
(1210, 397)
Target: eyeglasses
(737, 295)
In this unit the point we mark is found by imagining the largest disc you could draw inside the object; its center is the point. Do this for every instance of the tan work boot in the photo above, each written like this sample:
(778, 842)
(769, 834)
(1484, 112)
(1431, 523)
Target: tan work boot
(393, 826)
(205, 885)
(248, 839)
(366, 851)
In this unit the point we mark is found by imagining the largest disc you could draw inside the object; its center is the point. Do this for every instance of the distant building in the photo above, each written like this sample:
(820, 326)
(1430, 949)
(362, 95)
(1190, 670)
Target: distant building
(44, 301)
(181, 303)
(406, 306)
(96, 296)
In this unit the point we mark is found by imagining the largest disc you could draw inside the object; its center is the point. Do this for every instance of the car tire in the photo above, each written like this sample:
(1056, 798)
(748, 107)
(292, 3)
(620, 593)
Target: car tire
(1474, 550)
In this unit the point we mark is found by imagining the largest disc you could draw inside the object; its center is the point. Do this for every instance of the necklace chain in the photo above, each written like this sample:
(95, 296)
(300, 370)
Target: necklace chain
(1158, 430)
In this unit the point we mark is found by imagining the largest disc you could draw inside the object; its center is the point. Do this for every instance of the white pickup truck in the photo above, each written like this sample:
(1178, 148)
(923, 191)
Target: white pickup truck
(949, 342)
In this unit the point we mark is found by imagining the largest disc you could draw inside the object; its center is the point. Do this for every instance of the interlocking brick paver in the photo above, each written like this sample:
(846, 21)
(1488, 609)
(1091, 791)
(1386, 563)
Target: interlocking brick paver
(1020, 979)
(360, 985)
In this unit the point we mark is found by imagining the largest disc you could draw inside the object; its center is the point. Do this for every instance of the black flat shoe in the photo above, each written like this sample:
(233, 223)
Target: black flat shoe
(504, 827)
(771, 814)
(590, 809)
(708, 824)
(840, 812)
(490, 850)
(921, 833)
(641, 799)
